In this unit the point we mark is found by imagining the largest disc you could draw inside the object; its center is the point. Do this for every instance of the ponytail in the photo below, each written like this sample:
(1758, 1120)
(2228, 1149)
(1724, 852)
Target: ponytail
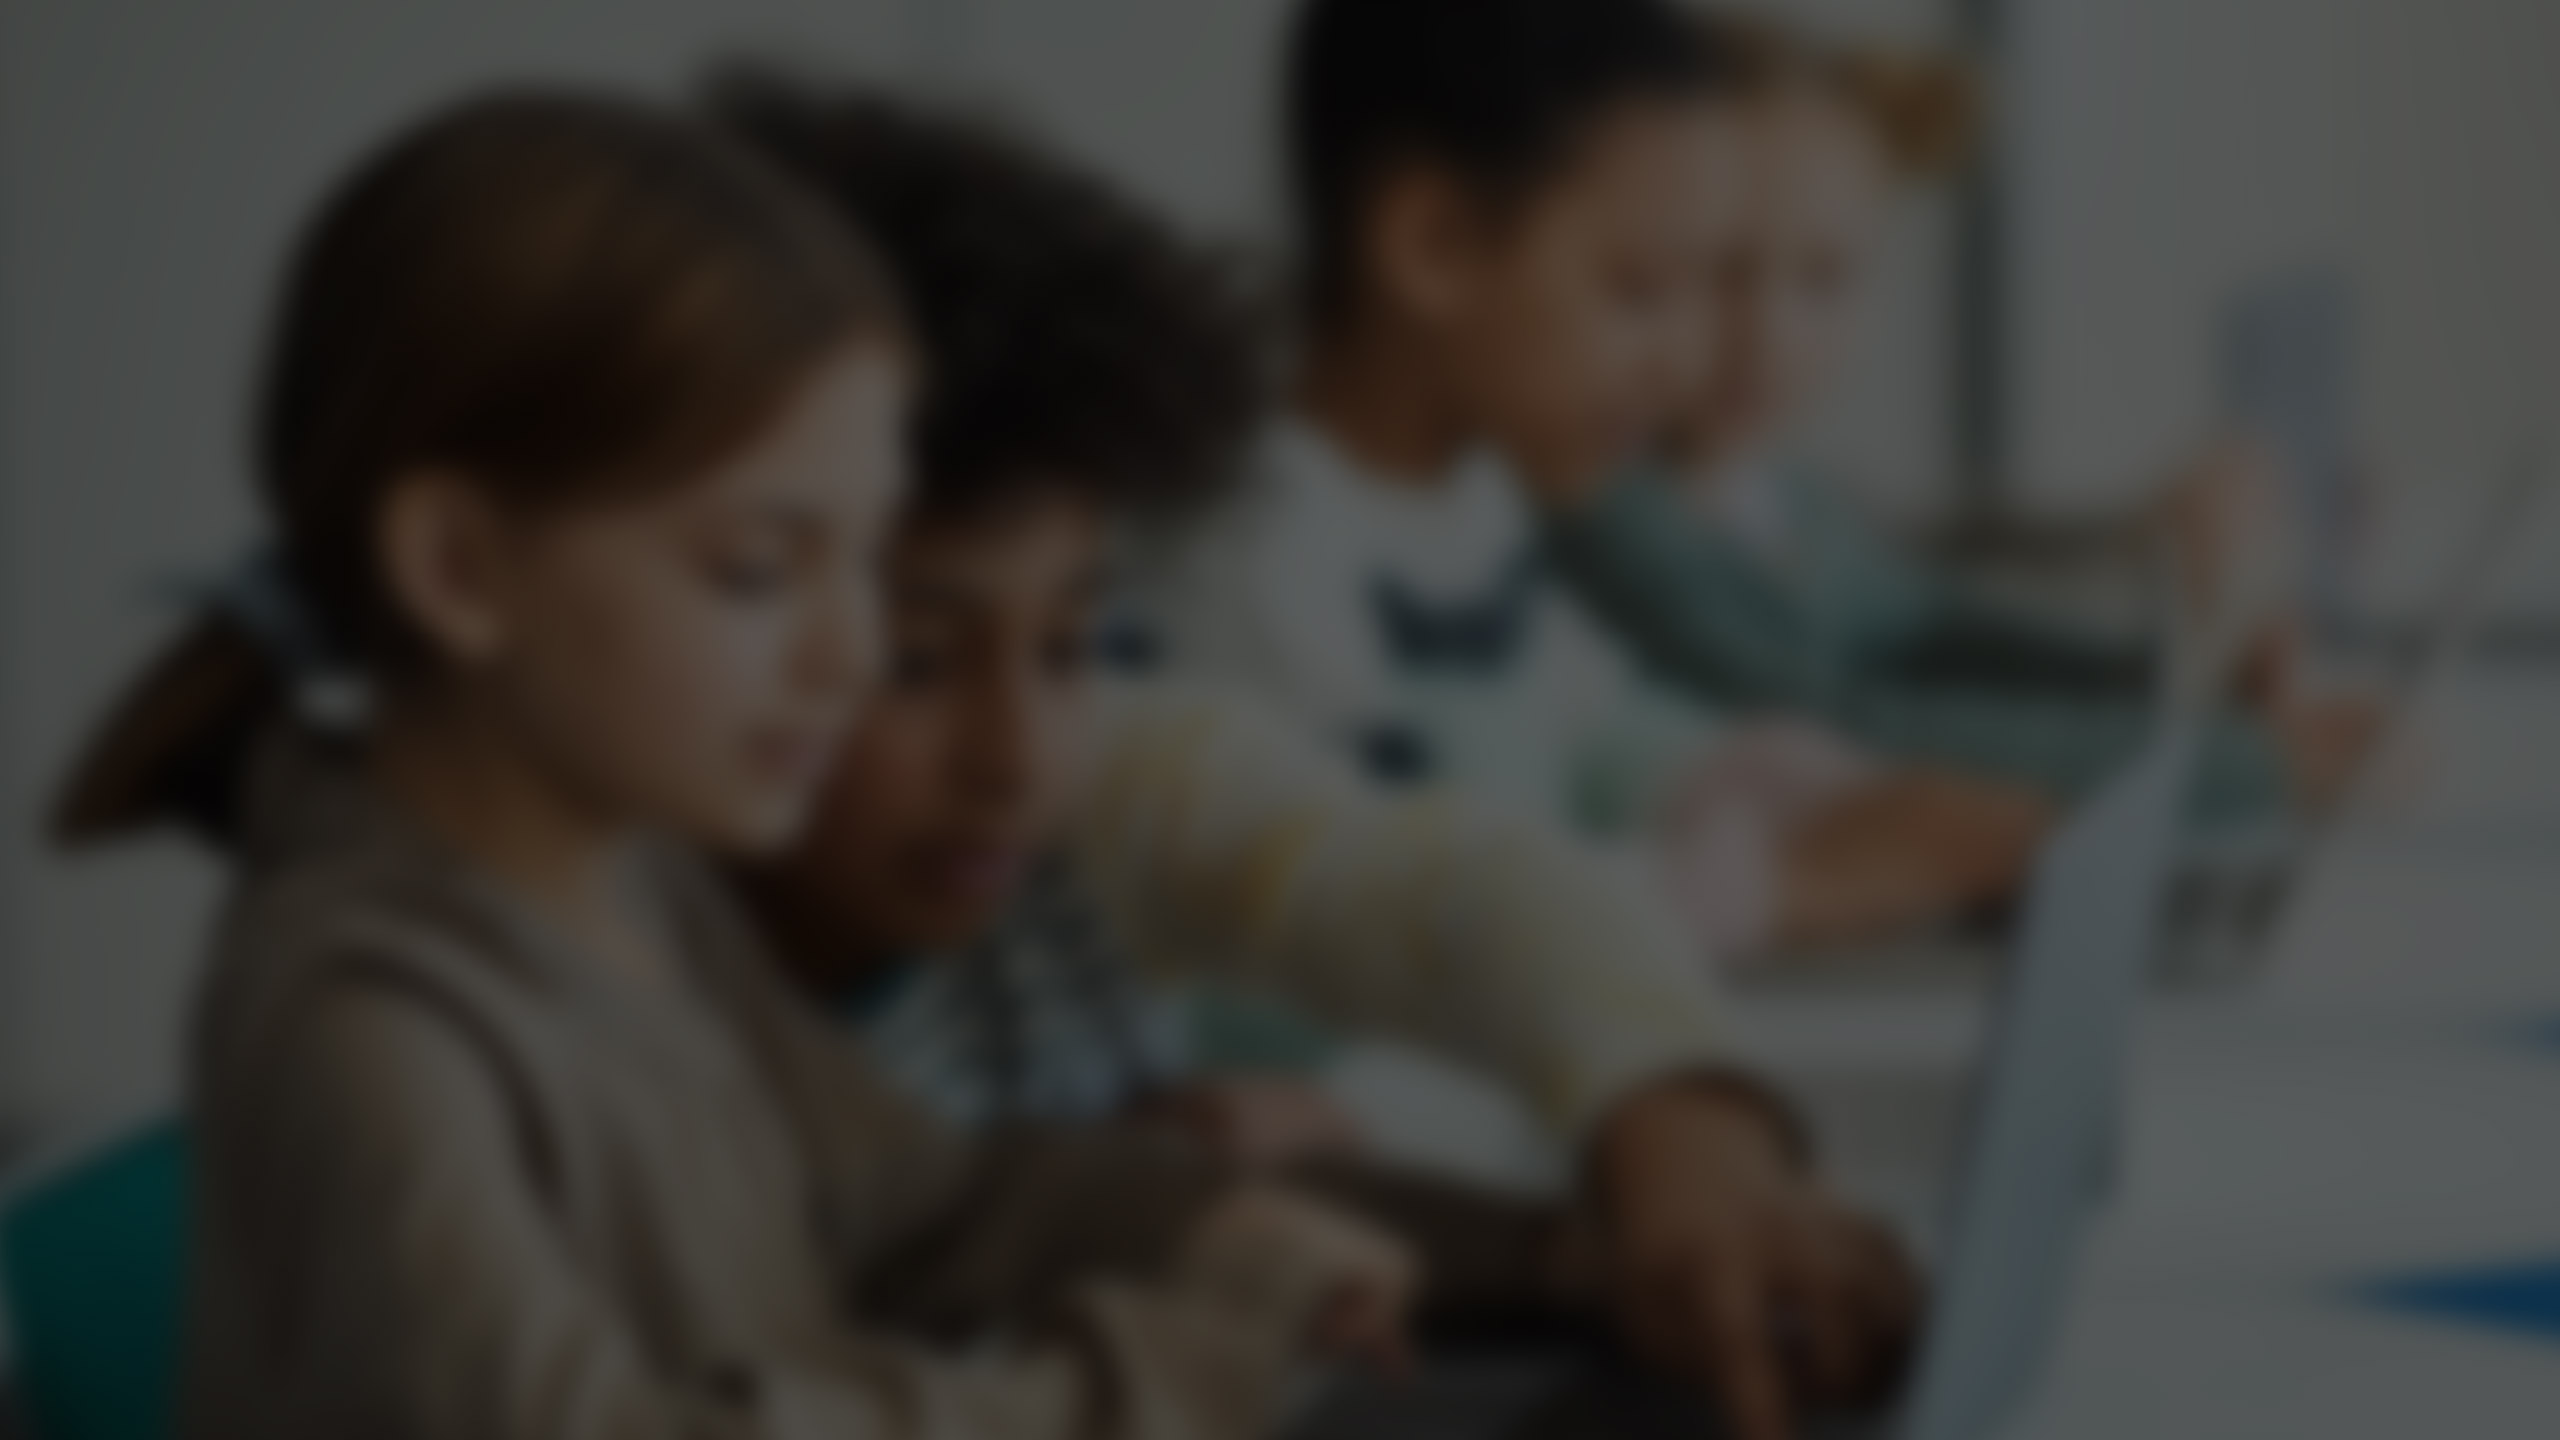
(175, 746)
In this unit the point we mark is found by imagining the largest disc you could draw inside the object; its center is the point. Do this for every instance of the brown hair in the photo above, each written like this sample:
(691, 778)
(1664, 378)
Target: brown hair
(1924, 107)
(565, 296)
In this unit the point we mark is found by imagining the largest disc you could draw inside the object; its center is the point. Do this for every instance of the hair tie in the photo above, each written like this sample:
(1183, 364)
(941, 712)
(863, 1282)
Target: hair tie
(258, 598)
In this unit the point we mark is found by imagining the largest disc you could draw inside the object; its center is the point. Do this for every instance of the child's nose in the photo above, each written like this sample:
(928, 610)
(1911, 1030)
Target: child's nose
(1010, 739)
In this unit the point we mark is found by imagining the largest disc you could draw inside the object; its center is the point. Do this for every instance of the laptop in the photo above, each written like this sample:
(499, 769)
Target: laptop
(2234, 890)
(2040, 1153)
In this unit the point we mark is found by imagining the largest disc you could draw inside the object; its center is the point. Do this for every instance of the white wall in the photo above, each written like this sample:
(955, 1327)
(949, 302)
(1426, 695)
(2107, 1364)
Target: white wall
(1177, 98)
(2162, 153)
(154, 158)
(2452, 202)
(2170, 150)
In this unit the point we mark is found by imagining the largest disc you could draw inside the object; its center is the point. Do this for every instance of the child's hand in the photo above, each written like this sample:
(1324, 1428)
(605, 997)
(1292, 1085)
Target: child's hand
(2325, 744)
(1726, 1261)
(2221, 519)
(1261, 1124)
(1354, 1283)
(2324, 739)
(1914, 848)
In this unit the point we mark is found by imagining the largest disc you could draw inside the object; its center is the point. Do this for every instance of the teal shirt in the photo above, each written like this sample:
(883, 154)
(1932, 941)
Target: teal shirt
(1863, 637)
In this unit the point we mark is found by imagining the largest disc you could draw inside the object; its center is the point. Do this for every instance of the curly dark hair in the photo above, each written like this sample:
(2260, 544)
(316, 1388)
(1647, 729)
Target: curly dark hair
(1072, 341)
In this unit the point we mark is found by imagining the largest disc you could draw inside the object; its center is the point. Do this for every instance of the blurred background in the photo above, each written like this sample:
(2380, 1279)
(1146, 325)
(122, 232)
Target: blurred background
(2052, 337)
(2048, 343)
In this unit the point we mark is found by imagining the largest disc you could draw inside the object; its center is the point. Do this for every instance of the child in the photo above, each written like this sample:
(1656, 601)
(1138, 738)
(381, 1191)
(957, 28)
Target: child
(1498, 214)
(1751, 585)
(1043, 829)
(581, 430)
(1085, 363)
(1090, 370)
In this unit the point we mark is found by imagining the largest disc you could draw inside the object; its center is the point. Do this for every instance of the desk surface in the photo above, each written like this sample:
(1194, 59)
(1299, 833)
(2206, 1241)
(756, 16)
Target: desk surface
(2281, 1162)
(2381, 1103)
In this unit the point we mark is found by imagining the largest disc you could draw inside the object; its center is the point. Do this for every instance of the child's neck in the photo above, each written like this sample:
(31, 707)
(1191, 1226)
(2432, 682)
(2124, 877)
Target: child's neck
(480, 794)
(1367, 386)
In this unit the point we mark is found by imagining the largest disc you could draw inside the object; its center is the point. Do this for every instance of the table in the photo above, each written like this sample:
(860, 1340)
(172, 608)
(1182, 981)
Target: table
(2383, 1102)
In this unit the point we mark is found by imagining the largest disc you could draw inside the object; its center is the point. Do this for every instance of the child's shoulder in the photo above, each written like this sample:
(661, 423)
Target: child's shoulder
(293, 937)
(335, 896)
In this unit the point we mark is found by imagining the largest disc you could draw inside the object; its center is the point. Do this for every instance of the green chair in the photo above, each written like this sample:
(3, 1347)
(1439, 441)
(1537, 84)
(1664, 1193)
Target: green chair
(92, 1269)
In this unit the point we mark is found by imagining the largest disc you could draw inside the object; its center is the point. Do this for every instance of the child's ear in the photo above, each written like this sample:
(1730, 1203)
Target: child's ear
(1423, 236)
(438, 543)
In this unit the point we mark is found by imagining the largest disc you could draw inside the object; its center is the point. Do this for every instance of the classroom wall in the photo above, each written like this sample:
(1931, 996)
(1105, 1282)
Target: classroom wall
(2166, 152)
(154, 158)
(2453, 209)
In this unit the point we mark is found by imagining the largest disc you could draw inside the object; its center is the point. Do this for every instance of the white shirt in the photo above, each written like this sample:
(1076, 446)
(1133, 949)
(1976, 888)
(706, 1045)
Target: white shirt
(1284, 591)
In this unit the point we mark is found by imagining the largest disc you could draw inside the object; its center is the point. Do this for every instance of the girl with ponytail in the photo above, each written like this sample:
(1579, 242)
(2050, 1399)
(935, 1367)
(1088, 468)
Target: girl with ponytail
(579, 433)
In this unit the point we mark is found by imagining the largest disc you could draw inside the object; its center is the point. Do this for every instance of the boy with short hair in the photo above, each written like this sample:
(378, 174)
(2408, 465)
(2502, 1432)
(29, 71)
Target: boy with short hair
(1501, 207)
(1085, 363)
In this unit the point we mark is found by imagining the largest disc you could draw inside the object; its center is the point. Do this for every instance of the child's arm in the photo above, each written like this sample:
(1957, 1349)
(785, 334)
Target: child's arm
(382, 1186)
(1214, 837)
(1911, 849)
(1918, 667)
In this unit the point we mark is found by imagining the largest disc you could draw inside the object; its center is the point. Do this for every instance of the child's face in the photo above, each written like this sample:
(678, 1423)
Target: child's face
(689, 661)
(955, 776)
(1787, 275)
(1567, 319)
